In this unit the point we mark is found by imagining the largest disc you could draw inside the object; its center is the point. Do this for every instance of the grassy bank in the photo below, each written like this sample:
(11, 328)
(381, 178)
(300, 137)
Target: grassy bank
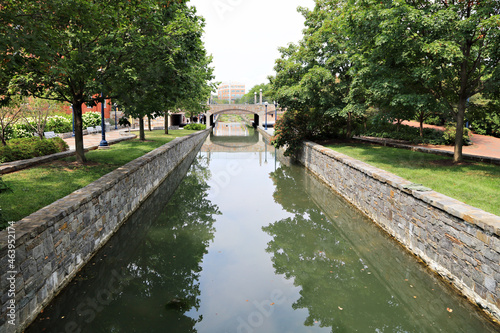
(37, 187)
(476, 184)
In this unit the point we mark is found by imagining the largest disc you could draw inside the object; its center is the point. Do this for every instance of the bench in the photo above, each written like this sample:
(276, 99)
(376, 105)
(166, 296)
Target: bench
(49, 135)
(98, 129)
(91, 130)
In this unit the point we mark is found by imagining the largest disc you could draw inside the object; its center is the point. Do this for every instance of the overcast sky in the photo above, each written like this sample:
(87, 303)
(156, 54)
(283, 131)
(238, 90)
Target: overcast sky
(244, 35)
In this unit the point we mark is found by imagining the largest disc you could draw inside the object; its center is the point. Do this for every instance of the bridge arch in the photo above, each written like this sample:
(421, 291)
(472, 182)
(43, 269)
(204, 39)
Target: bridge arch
(258, 110)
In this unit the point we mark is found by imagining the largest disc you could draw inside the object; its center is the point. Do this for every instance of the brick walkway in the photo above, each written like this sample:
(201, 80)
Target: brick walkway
(92, 140)
(482, 145)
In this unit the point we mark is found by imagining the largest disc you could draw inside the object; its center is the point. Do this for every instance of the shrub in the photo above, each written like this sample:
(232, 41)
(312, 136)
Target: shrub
(450, 133)
(24, 148)
(59, 124)
(195, 127)
(23, 130)
(91, 119)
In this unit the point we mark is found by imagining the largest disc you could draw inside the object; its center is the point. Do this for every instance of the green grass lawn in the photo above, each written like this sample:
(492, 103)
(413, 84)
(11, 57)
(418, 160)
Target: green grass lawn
(35, 188)
(476, 184)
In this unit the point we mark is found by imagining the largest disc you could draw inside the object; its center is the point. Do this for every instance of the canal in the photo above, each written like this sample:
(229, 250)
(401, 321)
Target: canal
(236, 241)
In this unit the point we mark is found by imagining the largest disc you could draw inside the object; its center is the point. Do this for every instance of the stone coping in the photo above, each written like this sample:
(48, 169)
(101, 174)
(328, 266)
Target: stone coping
(10, 167)
(484, 220)
(436, 151)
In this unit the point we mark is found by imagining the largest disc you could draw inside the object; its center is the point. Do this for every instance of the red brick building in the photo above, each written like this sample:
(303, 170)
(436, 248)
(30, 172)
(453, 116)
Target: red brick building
(108, 108)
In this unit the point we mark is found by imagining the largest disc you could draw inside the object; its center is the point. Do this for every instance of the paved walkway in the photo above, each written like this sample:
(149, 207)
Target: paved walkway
(92, 140)
(482, 145)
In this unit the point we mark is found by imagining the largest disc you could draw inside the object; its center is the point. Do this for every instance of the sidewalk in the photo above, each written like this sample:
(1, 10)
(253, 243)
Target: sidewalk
(482, 145)
(93, 140)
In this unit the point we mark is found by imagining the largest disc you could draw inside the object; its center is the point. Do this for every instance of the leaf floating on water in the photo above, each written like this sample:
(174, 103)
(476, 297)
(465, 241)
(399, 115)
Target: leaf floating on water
(341, 308)
(449, 310)
(272, 303)
(414, 296)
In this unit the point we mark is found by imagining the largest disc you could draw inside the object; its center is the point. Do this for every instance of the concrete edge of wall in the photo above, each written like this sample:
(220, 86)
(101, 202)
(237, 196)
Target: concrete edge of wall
(54, 243)
(482, 228)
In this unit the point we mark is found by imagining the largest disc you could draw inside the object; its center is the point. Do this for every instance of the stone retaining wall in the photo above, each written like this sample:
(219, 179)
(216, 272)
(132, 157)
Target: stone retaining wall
(459, 242)
(51, 245)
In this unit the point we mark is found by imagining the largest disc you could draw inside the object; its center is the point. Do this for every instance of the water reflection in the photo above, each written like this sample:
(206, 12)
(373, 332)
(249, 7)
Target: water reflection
(352, 276)
(147, 277)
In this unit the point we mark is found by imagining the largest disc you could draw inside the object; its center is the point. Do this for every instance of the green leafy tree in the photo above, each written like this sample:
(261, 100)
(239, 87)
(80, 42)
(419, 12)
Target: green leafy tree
(171, 70)
(433, 54)
(249, 97)
(36, 114)
(10, 114)
(313, 78)
(73, 51)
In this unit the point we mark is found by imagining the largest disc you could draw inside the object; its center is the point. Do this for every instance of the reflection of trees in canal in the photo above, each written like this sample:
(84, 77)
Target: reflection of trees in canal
(169, 263)
(352, 277)
(146, 277)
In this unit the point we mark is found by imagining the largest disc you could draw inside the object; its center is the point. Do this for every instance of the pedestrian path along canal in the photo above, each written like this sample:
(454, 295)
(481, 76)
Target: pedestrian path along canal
(244, 243)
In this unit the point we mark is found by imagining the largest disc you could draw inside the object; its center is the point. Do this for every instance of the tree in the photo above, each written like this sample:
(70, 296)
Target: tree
(9, 115)
(249, 97)
(447, 51)
(314, 78)
(36, 113)
(171, 69)
(72, 51)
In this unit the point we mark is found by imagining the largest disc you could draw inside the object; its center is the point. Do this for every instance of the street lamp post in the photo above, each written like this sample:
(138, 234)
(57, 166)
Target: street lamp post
(255, 97)
(116, 124)
(275, 113)
(103, 142)
(266, 114)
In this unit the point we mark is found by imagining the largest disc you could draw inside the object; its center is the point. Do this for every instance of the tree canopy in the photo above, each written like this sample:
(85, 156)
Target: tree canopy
(74, 50)
(409, 59)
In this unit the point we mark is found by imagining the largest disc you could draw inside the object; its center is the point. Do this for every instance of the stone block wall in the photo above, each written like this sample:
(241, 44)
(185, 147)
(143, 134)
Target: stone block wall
(459, 242)
(41, 253)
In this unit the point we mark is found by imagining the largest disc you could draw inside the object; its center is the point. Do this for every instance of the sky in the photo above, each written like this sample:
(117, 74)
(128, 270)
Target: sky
(243, 36)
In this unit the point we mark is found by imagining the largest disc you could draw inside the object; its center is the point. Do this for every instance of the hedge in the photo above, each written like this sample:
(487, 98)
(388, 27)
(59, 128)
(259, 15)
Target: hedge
(25, 148)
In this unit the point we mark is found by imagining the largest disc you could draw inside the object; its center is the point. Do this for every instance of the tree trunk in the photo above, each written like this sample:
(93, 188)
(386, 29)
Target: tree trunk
(459, 135)
(80, 152)
(166, 122)
(421, 120)
(4, 142)
(142, 135)
(149, 124)
(349, 120)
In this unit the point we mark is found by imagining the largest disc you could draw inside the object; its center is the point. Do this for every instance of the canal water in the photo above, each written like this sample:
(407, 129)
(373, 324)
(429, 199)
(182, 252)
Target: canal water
(236, 241)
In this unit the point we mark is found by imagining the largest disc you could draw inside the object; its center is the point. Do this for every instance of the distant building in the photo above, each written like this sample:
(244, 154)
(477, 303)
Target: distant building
(231, 91)
(108, 109)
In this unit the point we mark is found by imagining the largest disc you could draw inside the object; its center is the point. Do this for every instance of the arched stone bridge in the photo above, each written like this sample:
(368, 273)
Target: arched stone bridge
(258, 110)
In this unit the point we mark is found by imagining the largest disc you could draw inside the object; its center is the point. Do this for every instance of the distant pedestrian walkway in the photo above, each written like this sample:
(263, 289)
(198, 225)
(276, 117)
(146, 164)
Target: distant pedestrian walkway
(482, 145)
